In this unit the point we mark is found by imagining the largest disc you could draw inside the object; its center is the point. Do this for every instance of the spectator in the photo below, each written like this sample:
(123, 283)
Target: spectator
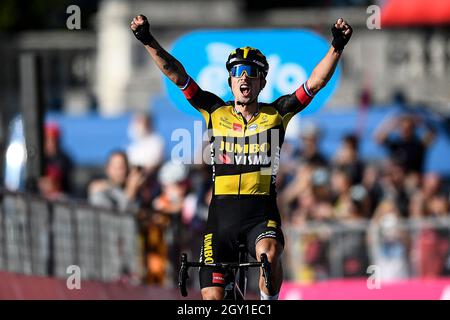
(371, 183)
(55, 182)
(306, 207)
(50, 184)
(301, 183)
(347, 158)
(146, 153)
(320, 181)
(408, 150)
(420, 200)
(163, 245)
(432, 184)
(195, 209)
(412, 183)
(174, 183)
(438, 206)
(388, 242)
(430, 253)
(315, 263)
(352, 249)
(119, 189)
(309, 152)
(350, 214)
(432, 246)
(147, 148)
(392, 185)
(341, 186)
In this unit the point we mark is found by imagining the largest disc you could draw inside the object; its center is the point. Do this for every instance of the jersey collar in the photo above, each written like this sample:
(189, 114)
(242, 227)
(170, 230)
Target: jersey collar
(239, 115)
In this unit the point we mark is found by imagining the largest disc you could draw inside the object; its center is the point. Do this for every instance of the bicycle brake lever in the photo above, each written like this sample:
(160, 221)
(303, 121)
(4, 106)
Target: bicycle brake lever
(266, 272)
(183, 275)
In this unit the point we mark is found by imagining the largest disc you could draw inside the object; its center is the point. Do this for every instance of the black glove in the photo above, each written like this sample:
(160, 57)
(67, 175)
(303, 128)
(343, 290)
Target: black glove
(142, 33)
(339, 38)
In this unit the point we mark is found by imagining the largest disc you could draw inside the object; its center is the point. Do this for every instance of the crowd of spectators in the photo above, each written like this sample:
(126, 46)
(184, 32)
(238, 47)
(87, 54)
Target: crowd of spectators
(373, 204)
(363, 204)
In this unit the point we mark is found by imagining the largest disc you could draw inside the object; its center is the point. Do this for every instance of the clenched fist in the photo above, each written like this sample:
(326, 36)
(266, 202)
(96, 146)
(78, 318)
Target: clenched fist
(342, 32)
(141, 29)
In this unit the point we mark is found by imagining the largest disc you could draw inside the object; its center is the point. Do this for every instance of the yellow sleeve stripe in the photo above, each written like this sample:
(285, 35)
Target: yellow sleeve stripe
(287, 117)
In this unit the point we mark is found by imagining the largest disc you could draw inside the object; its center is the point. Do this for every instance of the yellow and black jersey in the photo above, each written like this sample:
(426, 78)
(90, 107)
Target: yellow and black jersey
(245, 155)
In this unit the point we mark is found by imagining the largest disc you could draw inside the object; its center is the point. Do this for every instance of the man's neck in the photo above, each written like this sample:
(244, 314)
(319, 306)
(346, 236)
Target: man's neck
(247, 111)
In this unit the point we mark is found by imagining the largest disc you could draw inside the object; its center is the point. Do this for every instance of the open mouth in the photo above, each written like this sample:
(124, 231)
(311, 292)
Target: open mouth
(245, 89)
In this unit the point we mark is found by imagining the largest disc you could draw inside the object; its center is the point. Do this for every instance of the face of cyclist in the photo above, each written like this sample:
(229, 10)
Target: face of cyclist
(246, 83)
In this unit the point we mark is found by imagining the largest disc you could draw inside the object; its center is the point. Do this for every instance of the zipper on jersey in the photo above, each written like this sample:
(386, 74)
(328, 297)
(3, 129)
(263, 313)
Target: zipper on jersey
(245, 129)
(240, 171)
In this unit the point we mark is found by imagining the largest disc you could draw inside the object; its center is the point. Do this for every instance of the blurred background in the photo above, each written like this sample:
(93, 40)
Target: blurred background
(86, 126)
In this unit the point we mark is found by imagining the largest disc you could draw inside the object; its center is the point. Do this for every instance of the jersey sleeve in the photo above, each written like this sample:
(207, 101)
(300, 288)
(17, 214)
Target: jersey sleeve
(291, 104)
(204, 101)
(295, 102)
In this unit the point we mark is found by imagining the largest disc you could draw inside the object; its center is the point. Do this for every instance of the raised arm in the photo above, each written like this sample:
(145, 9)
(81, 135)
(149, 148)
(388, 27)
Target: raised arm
(170, 66)
(385, 128)
(324, 70)
(174, 70)
(430, 132)
(320, 75)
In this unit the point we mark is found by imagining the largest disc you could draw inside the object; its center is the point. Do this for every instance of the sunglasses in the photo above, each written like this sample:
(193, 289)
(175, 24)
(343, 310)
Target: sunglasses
(238, 71)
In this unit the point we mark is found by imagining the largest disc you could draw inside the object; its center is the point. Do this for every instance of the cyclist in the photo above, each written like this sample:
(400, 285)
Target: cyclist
(245, 139)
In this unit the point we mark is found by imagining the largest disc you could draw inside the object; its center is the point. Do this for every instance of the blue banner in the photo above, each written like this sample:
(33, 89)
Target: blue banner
(292, 55)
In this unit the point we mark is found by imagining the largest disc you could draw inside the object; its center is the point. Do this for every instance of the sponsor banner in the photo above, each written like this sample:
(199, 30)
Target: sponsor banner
(292, 55)
(414, 289)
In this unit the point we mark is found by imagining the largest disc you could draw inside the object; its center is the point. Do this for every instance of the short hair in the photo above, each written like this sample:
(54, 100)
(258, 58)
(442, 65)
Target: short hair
(118, 152)
(352, 140)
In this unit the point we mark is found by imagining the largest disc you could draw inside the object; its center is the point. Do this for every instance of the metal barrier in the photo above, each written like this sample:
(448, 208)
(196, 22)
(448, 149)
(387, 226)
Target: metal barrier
(41, 237)
(397, 249)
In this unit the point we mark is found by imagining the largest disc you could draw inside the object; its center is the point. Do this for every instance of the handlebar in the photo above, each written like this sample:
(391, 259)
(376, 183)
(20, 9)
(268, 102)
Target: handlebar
(183, 275)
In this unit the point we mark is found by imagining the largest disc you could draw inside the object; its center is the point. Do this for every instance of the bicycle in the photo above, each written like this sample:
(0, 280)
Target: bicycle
(234, 290)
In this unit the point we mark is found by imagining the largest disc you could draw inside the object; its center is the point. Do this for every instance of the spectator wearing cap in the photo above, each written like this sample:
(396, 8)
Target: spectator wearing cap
(55, 182)
(173, 180)
(164, 230)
